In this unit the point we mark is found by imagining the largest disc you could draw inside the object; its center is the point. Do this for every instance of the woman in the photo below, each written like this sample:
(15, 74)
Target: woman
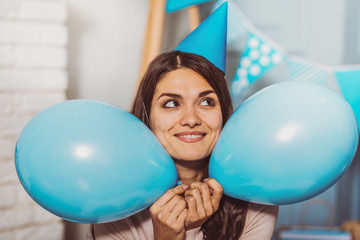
(183, 98)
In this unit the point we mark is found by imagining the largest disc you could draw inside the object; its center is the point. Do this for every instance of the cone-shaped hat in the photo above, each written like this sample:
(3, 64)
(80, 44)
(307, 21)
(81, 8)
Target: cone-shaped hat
(175, 5)
(209, 38)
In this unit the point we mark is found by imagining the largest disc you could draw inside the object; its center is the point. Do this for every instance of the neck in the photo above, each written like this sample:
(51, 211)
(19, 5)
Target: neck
(191, 171)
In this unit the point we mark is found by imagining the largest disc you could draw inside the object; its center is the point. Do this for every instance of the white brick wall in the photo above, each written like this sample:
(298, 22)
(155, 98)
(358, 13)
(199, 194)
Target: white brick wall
(45, 232)
(28, 103)
(8, 196)
(39, 57)
(6, 55)
(33, 76)
(6, 147)
(34, 10)
(32, 33)
(33, 79)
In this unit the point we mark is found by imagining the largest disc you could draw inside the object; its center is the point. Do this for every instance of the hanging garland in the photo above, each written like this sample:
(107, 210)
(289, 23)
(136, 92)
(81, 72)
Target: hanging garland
(261, 54)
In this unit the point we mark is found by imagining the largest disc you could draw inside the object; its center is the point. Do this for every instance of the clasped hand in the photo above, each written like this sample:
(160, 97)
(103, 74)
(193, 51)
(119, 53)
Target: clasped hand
(185, 207)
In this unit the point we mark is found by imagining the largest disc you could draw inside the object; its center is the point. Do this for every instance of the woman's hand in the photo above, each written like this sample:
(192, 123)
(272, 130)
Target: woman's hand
(168, 214)
(203, 199)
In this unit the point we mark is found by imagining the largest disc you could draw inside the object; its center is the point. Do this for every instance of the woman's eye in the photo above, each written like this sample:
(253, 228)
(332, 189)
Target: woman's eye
(171, 104)
(207, 102)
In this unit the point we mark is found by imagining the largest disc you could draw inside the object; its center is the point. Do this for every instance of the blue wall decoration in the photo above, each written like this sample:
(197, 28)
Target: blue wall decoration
(349, 82)
(305, 70)
(260, 54)
(258, 57)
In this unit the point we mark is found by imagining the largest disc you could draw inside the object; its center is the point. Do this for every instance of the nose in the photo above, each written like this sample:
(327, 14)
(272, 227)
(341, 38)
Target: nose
(190, 117)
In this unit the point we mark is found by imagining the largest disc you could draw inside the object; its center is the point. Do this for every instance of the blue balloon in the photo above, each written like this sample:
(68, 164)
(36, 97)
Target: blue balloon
(287, 143)
(90, 162)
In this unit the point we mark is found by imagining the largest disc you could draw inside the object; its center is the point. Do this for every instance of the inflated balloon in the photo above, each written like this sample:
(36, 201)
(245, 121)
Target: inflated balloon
(287, 143)
(90, 162)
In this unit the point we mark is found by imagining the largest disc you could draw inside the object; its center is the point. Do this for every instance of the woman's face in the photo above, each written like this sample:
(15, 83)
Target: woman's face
(186, 115)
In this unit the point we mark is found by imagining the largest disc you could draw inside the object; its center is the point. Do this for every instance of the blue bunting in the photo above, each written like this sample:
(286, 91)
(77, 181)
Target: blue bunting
(258, 57)
(305, 70)
(349, 83)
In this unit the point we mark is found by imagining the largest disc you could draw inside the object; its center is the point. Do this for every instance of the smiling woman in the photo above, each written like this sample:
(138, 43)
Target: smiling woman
(185, 109)
(183, 98)
(187, 104)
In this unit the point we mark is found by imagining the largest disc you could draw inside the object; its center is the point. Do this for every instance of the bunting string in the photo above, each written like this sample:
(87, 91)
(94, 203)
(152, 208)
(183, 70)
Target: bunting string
(261, 54)
(305, 70)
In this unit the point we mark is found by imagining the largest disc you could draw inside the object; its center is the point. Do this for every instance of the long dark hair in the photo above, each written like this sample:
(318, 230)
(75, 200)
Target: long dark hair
(228, 222)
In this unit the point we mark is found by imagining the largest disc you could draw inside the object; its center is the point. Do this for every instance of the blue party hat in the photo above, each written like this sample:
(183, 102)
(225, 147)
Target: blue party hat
(175, 5)
(209, 38)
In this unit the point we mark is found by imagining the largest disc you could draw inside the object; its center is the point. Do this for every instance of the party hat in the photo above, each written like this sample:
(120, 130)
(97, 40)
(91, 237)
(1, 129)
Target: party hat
(175, 5)
(209, 38)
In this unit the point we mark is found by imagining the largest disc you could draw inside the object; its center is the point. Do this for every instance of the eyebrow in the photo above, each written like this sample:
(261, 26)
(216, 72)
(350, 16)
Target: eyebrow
(203, 94)
(171, 95)
(176, 96)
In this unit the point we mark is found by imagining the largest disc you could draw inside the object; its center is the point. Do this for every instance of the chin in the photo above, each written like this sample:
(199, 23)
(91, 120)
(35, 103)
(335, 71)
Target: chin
(193, 157)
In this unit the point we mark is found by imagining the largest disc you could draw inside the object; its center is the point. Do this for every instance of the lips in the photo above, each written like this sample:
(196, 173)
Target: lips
(190, 137)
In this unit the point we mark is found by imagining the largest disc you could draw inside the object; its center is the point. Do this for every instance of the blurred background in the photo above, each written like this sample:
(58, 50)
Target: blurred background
(54, 50)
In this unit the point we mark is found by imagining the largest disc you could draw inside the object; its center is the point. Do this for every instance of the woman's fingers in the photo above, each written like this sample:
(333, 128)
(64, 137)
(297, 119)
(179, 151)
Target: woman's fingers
(198, 199)
(182, 216)
(217, 192)
(201, 194)
(168, 212)
(205, 193)
(169, 208)
(206, 197)
(176, 210)
(211, 192)
(191, 204)
(195, 192)
(169, 194)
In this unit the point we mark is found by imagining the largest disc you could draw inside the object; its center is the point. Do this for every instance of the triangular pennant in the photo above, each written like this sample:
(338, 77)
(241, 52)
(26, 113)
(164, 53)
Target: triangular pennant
(209, 38)
(349, 83)
(175, 5)
(305, 70)
(258, 57)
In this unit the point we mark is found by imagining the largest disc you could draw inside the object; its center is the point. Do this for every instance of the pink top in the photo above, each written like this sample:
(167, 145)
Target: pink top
(259, 224)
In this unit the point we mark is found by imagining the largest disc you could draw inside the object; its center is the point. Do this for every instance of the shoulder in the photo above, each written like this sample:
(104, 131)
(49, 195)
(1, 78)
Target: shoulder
(138, 226)
(260, 221)
(257, 210)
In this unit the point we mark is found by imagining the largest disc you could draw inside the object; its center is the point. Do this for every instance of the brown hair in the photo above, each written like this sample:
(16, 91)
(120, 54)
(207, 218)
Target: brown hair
(228, 222)
(171, 61)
